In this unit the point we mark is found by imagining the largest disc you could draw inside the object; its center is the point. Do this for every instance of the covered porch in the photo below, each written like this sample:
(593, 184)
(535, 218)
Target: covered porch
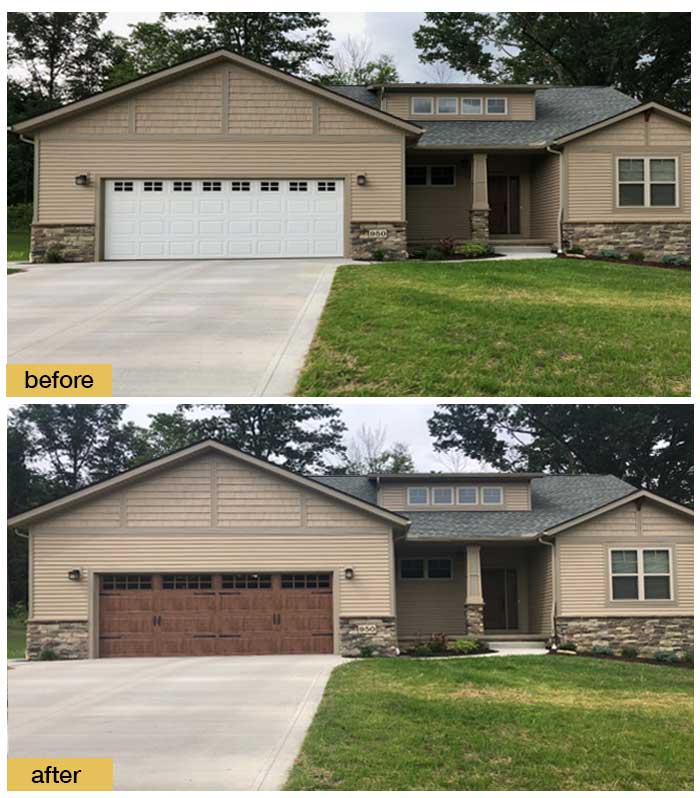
(496, 197)
(494, 590)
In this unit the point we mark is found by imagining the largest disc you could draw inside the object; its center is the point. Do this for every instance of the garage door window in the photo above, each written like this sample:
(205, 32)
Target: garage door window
(246, 581)
(305, 581)
(187, 582)
(126, 582)
(211, 185)
(182, 185)
(240, 185)
(123, 185)
(269, 185)
(298, 185)
(153, 185)
(326, 185)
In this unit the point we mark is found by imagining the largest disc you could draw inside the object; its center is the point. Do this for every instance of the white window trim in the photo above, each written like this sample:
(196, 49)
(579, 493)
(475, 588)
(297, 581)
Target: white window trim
(447, 113)
(429, 175)
(413, 578)
(641, 594)
(492, 504)
(480, 112)
(475, 503)
(504, 112)
(646, 182)
(409, 503)
(422, 113)
(442, 504)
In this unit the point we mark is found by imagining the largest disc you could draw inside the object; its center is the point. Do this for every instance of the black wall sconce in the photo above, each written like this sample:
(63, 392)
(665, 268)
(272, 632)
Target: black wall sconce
(81, 180)
(74, 575)
(349, 573)
(362, 180)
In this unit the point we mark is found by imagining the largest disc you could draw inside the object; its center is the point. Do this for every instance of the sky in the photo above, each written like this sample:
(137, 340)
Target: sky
(389, 32)
(403, 423)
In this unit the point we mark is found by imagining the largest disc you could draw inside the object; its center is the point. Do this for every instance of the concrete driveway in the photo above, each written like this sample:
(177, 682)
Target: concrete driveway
(204, 723)
(173, 328)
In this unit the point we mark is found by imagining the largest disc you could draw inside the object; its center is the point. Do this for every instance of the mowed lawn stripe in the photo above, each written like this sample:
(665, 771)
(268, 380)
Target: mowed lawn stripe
(509, 328)
(515, 723)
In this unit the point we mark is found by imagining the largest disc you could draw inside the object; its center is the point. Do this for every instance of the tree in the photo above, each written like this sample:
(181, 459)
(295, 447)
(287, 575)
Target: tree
(368, 453)
(651, 446)
(353, 65)
(646, 55)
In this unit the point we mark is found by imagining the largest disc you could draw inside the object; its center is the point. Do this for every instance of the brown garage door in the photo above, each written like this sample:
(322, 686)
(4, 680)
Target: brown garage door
(174, 615)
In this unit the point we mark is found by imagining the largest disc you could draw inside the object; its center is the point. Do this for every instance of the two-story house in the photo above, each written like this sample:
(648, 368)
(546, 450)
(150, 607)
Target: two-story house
(209, 551)
(222, 157)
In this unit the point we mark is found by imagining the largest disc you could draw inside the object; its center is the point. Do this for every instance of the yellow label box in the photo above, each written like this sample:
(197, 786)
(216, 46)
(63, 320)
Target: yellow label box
(79, 773)
(59, 379)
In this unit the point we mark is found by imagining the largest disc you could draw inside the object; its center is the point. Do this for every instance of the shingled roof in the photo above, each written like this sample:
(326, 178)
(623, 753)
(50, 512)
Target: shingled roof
(559, 111)
(555, 500)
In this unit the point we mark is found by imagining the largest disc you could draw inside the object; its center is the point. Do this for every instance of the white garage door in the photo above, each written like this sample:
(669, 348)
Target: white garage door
(227, 218)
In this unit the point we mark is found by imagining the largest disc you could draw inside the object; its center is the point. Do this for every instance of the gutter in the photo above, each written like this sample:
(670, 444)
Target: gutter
(560, 219)
(553, 618)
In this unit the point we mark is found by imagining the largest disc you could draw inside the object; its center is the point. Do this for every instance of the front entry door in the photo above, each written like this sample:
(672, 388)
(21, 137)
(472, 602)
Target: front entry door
(500, 586)
(504, 201)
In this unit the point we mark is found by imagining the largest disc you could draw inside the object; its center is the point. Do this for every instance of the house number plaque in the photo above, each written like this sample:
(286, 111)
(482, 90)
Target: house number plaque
(378, 232)
(367, 628)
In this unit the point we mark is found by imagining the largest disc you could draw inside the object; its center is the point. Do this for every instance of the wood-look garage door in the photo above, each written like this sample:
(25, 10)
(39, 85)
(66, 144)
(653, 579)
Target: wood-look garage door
(170, 615)
(226, 218)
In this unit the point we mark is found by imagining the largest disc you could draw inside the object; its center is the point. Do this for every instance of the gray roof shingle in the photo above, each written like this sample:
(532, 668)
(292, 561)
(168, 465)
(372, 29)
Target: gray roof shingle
(559, 111)
(555, 500)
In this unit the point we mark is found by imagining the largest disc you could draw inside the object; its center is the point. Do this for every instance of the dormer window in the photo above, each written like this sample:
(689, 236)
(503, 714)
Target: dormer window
(496, 106)
(472, 106)
(417, 496)
(468, 494)
(492, 495)
(442, 496)
(421, 105)
(447, 105)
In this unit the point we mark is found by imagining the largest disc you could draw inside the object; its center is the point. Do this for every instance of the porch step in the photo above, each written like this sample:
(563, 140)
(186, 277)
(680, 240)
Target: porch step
(519, 242)
(516, 645)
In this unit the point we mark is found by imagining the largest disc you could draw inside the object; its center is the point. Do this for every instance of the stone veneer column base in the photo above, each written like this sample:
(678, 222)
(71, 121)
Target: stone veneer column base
(647, 634)
(67, 639)
(73, 242)
(474, 619)
(364, 244)
(655, 239)
(479, 221)
(360, 633)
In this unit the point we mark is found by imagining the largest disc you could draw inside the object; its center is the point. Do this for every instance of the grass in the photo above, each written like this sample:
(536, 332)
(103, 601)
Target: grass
(18, 244)
(502, 328)
(16, 630)
(512, 723)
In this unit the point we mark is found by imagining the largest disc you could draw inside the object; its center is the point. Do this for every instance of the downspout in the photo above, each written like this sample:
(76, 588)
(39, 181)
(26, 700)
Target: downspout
(560, 219)
(555, 636)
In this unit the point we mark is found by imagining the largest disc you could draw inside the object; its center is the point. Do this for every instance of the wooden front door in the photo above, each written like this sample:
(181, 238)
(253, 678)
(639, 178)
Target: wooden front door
(500, 588)
(174, 615)
(504, 201)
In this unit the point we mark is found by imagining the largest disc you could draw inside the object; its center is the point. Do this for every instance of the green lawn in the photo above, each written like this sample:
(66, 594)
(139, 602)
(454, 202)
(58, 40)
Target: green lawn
(15, 638)
(18, 245)
(502, 328)
(512, 723)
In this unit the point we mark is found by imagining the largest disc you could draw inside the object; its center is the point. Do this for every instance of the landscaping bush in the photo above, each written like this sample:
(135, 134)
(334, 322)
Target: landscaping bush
(378, 254)
(433, 253)
(368, 651)
(418, 254)
(53, 255)
(666, 656)
(438, 643)
(474, 249)
(637, 255)
(567, 645)
(447, 246)
(675, 260)
(610, 254)
(629, 652)
(602, 651)
(575, 250)
(688, 656)
(19, 217)
(467, 646)
(422, 650)
(48, 654)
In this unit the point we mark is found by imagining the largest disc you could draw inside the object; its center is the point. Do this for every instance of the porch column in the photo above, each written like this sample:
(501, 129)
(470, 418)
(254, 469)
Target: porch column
(479, 213)
(474, 601)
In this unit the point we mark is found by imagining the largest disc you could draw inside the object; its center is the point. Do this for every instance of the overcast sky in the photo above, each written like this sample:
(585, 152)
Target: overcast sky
(389, 32)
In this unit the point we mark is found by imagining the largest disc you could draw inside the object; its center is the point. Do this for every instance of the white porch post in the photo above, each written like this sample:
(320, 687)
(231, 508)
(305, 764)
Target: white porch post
(474, 600)
(479, 213)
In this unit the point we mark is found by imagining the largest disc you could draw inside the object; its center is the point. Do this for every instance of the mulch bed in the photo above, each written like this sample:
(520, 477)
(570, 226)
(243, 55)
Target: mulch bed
(645, 660)
(655, 264)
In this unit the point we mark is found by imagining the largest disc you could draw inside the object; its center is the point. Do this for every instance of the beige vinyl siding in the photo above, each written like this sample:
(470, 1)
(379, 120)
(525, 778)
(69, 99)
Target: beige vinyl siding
(210, 514)
(110, 120)
(339, 121)
(591, 164)
(393, 496)
(540, 590)
(583, 553)
(258, 104)
(544, 209)
(62, 201)
(520, 106)
(435, 212)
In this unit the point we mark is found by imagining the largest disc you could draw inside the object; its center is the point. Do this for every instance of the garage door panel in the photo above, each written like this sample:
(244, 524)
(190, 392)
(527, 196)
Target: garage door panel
(241, 249)
(182, 249)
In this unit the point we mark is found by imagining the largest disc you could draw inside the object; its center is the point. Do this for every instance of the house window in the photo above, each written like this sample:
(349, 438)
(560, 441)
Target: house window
(492, 495)
(647, 182)
(416, 175)
(417, 495)
(640, 574)
(496, 105)
(442, 175)
(472, 105)
(412, 569)
(442, 496)
(467, 494)
(447, 105)
(440, 569)
(421, 105)
(430, 175)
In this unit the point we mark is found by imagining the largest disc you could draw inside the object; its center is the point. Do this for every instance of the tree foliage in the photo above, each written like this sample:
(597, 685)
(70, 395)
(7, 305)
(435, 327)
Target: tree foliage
(368, 453)
(644, 54)
(354, 65)
(651, 446)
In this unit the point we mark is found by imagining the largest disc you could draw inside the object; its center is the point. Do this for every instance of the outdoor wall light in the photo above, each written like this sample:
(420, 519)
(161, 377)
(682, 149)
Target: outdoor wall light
(74, 575)
(362, 180)
(349, 573)
(81, 180)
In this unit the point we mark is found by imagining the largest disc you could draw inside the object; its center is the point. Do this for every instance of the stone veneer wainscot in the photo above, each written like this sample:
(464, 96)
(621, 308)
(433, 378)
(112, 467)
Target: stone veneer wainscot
(66, 639)
(72, 242)
(647, 634)
(355, 635)
(364, 245)
(655, 239)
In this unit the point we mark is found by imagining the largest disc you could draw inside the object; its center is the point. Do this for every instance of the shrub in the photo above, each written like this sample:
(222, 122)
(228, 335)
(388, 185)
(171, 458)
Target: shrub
(438, 643)
(417, 253)
(447, 246)
(474, 249)
(665, 656)
(467, 646)
(688, 656)
(53, 255)
(433, 253)
(610, 254)
(637, 255)
(567, 645)
(575, 250)
(629, 652)
(602, 651)
(48, 654)
(17, 612)
(368, 651)
(19, 217)
(675, 260)
(378, 254)
(422, 650)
